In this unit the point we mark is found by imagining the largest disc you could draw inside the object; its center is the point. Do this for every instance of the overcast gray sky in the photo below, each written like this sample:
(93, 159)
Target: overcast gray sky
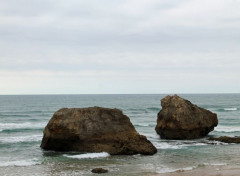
(120, 46)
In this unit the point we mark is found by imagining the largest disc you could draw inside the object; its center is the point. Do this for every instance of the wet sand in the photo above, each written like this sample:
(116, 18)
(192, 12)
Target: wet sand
(207, 171)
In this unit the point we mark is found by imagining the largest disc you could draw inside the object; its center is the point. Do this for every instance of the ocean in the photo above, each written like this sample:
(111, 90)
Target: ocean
(23, 118)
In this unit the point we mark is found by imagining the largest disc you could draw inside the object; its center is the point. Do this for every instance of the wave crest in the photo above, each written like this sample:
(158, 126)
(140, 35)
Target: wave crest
(227, 129)
(19, 163)
(25, 125)
(89, 155)
(17, 139)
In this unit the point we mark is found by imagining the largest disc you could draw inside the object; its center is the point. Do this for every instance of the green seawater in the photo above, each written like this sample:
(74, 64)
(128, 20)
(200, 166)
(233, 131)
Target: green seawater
(23, 118)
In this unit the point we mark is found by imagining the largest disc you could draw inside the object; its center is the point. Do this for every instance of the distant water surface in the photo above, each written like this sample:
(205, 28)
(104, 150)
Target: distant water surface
(23, 118)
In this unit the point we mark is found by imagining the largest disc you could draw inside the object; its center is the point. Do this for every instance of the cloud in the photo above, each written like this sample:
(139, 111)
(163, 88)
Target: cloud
(140, 42)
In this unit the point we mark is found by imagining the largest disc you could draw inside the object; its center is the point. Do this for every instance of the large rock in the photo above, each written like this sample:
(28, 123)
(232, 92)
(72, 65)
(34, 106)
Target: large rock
(180, 119)
(94, 129)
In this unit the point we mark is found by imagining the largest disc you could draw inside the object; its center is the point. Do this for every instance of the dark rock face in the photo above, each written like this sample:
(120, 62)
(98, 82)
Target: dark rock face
(227, 139)
(99, 170)
(180, 119)
(94, 129)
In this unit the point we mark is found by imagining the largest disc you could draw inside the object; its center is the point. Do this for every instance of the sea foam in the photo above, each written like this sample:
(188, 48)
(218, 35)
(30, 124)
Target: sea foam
(227, 129)
(16, 139)
(25, 125)
(167, 145)
(230, 109)
(214, 164)
(169, 170)
(20, 163)
(89, 155)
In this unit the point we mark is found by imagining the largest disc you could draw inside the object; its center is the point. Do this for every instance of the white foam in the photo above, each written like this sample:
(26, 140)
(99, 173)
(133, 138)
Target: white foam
(212, 164)
(25, 125)
(169, 170)
(89, 155)
(173, 145)
(215, 164)
(20, 163)
(230, 109)
(16, 139)
(227, 129)
(165, 145)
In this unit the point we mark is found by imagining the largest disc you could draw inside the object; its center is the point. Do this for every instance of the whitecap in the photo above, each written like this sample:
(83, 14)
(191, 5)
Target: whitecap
(194, 144)
(24, 125)
(230, 109)
(227, 129)
(89, 155)
(20, 163)
(16, 139)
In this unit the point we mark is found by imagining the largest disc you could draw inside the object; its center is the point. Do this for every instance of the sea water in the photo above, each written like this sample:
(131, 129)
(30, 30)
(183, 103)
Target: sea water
(23, 118)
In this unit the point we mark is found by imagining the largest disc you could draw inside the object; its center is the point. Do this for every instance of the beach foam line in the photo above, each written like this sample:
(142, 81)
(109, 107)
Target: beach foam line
(169, 170)
(89, 155)
(19, 163)
(17, 139)
(214, 164)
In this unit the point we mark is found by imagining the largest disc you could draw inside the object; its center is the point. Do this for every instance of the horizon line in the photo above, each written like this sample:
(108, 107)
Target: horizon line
(118, 94)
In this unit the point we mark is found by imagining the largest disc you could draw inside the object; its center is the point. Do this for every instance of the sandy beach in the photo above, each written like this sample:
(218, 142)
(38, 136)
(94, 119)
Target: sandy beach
(207, 171)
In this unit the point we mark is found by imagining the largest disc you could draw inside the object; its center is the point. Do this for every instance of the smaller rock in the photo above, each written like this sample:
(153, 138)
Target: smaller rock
(99, 170)
(180, 119)
(226, 139)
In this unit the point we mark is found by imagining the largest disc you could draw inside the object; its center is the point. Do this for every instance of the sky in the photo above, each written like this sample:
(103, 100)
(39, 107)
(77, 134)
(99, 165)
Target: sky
(119, 47)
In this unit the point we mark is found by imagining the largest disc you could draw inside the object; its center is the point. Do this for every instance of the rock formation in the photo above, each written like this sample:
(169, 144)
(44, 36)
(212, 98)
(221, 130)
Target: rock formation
(180, 119)
(227, 139)
(94, 129)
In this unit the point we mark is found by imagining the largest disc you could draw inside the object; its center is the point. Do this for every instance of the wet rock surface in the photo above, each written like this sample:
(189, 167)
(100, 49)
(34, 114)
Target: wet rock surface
(227, 139)
(180, 119)
(94, 129)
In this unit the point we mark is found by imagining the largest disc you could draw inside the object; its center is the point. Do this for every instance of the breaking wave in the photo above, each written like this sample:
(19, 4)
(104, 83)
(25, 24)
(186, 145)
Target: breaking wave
(19, 163)
(17, 139)
(227, 129)
(25, 125)
(89, 155)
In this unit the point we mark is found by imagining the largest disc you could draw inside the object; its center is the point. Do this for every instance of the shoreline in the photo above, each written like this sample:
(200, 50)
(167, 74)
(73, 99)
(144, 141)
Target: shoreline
(205, 171)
